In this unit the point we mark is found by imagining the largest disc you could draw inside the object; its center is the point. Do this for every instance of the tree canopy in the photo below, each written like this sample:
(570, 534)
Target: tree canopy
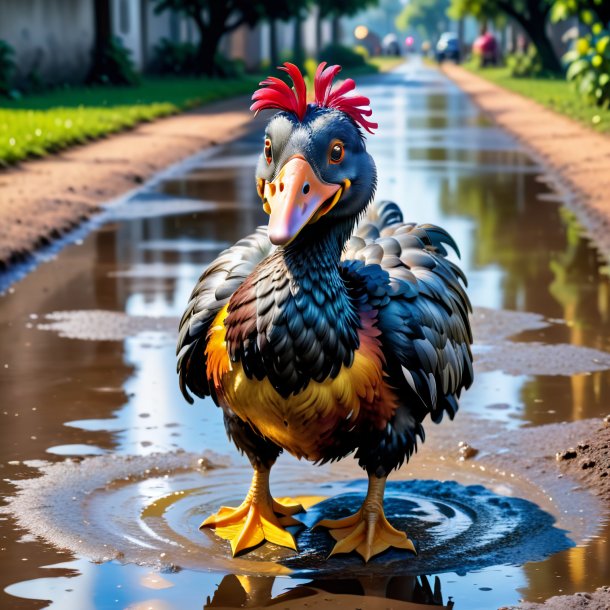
(427, 17)
(587, 11)
(214, 19)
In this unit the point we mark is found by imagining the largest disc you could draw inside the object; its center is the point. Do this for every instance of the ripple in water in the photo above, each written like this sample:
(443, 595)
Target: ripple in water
(148, 509)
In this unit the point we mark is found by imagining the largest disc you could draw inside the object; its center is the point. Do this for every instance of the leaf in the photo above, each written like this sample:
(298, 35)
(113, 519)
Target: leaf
(576, 68)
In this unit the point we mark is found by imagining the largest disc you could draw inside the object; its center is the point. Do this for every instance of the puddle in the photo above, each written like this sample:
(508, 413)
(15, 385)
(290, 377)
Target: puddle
(87, 368)
(147, 511)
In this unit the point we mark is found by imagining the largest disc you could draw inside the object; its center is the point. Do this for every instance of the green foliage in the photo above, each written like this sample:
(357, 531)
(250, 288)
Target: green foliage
(171, 57)
(589, 66)
(116, 66)
(214, 18)
(338, 8)
(427, 17)
(40, 124)
(344, 56)
(553, 92)
(587, 11)
(525, 65)
(7, 67)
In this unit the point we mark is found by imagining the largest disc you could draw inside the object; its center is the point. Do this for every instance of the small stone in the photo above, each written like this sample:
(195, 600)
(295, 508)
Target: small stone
(583, 446)
(569, 454)
(606, 421)
(466, 451)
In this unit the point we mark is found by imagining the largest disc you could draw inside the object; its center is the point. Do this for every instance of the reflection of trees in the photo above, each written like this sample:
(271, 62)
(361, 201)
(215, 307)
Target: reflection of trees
(237, 591)
(577, 569)
(548, 267)
(582, 290)
(583, 294)
(515, 232)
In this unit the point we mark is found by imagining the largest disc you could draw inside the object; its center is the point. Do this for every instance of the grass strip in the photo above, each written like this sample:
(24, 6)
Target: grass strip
(554, 93)
(41, 124)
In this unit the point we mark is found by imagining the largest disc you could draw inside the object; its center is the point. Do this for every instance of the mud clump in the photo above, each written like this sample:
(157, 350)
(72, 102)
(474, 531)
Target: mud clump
(589, 462)
(598, 600)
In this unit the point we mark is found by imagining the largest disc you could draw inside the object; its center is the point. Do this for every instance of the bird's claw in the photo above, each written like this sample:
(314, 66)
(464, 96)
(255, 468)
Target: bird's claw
(367, 532)
(255, 521)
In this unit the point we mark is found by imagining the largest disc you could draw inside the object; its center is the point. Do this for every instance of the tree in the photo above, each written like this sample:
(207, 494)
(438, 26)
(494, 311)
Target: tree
(586, 10)
(531, 15)
(335, 9)
(215, 18)
(428, 17)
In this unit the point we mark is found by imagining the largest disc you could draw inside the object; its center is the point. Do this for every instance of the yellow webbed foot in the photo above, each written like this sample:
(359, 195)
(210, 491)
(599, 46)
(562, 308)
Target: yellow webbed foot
(367, 531)
(258, 518)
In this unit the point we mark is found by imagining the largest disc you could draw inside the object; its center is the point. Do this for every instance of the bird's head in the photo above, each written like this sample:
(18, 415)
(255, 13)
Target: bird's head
(314, 167)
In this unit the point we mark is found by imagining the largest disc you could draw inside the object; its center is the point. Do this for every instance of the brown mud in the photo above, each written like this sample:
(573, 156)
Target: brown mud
(577, 157)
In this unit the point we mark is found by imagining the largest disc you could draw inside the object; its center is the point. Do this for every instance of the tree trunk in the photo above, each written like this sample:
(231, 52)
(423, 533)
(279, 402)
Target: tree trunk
(543, 45)
(318, 33)
(103, 32)
(206, 52)
(273, 51)
(336, 29)
(297, 49)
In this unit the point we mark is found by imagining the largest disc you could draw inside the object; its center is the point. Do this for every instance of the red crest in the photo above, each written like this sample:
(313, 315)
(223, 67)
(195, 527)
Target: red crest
(276, 94)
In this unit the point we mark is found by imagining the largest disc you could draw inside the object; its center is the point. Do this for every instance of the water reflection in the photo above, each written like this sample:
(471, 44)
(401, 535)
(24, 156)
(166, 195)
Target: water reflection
(237, 591)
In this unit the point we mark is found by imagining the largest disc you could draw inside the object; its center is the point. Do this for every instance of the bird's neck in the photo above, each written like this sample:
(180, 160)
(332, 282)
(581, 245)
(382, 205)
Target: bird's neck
(316, 253)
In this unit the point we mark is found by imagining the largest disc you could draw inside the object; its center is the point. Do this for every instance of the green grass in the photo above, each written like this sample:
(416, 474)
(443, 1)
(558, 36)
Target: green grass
(41, 124)
(554, 93)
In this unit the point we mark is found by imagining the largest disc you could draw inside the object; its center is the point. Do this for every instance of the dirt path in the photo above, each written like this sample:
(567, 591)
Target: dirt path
(40, 200)
(579, 157)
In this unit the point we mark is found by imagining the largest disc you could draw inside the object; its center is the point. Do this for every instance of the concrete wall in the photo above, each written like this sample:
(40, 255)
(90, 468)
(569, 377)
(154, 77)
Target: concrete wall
(52, 38)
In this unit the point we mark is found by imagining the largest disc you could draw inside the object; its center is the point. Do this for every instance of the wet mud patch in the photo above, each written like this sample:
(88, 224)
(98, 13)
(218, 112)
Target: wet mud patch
(492, 330)
(540, 359)
(495, 351)
(147, 510)
(101, 325)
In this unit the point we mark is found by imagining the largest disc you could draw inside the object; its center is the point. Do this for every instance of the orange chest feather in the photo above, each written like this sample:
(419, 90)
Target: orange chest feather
(305, 424)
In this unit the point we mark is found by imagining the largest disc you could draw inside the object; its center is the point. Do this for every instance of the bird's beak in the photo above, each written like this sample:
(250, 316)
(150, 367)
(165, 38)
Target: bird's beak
(296, 197)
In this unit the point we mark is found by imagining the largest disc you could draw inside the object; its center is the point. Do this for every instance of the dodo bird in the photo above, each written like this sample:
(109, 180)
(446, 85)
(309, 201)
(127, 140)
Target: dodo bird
(332, 330)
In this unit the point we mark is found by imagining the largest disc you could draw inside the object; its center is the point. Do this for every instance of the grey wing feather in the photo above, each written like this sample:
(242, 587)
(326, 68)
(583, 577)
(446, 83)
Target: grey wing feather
(423, 316)
(212, 292)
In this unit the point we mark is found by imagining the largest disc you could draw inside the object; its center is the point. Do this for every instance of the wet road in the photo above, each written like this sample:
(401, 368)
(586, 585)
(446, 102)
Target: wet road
(87, 351)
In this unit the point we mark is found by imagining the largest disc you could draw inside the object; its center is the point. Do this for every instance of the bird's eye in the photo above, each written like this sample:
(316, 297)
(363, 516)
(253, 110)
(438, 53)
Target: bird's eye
(337, 152)
(268, 152)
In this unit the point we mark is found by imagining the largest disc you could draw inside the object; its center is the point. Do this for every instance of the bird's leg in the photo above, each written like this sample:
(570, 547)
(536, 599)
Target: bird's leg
(367, 531)
(258, 518)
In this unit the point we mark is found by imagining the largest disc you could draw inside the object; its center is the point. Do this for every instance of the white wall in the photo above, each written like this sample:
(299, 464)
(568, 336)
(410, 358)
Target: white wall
(51, 37)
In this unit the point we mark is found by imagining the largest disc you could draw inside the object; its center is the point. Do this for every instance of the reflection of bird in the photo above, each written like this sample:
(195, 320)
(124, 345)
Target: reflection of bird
(320, 337)
(399, 592)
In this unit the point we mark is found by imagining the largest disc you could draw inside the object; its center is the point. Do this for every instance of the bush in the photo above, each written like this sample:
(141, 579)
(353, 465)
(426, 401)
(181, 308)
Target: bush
(174, 58)
(116, 66)
(7, 67)
(229, 68)
(344, 56)
(589, 66)
(525, 65)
